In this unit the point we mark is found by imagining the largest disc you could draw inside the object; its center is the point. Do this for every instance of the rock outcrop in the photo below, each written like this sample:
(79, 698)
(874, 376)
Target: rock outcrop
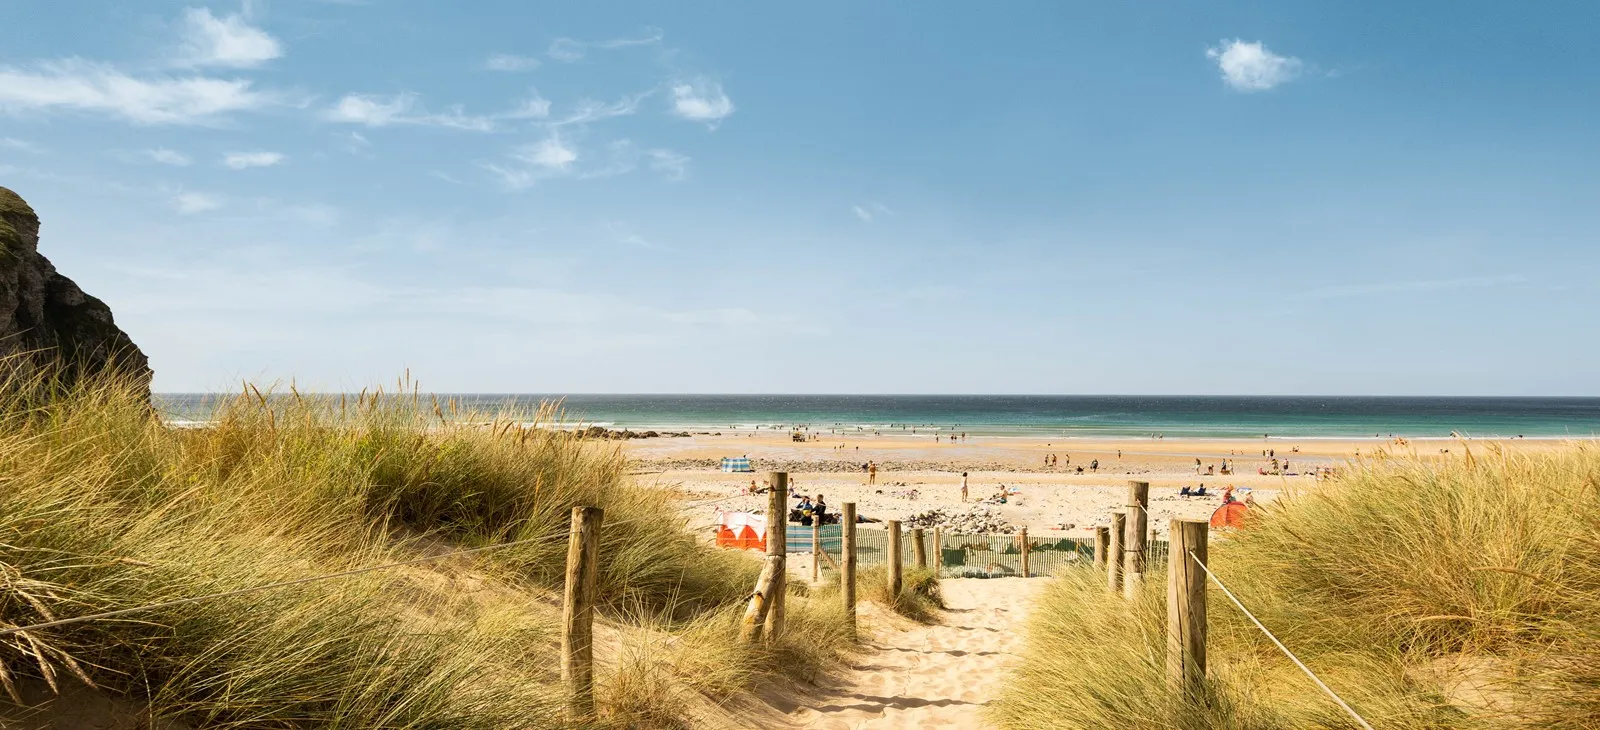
(45, 319)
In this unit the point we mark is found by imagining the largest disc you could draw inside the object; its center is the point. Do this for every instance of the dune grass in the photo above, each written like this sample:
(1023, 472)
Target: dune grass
(919, 598)
(104, 507)
(1430, 593)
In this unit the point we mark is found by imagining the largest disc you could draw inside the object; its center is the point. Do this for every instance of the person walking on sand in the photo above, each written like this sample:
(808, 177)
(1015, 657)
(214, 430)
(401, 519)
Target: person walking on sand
(872, 472)
(963, 486)
(1094, 465)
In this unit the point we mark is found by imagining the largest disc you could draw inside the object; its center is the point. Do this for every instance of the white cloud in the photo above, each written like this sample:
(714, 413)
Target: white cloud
(589, 110)
(568, 50)
(536, 107)
(379, 111)
(565, 50)
(168, 157)
(1251, 67)
(243, 160)
(550, 153)
(227, 41)
(191, 203)
(675, 166)
(868, 211)
(75, 84)
(510, 62)
(623, 234)
(701, 100)
(21, 145)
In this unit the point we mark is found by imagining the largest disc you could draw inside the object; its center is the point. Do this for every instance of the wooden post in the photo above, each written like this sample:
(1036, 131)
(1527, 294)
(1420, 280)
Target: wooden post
(894, 556)
(919, 549)
(1186, 606)
(1133, 545)
(847, 561)
(577, 611)
(777, 547)
(1102, 541)
(816, 549)
(938, 552)
(1114, 552)
(755, 615)
(1025, 552)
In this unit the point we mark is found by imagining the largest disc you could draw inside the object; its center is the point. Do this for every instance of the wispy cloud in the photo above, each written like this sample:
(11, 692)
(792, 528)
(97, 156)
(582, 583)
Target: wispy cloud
(588, 111)
(168, 157)
(622, 233)
(701, 100)
(1417, 285)
(245, 160)
(510, 62)
(569, 50)
(373, 110)
(226, 41)
(868, 211)
(78, 85)
(1250, 67)
(192, 203)
(20, 145)
(673, 165)
(549, 153)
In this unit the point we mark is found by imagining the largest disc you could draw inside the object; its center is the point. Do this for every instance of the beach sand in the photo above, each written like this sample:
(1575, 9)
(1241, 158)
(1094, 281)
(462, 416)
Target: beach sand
(938, 675)
(1056, 500)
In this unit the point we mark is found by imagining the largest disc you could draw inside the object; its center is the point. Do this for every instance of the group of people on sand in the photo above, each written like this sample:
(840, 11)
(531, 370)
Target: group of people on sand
(812, 510)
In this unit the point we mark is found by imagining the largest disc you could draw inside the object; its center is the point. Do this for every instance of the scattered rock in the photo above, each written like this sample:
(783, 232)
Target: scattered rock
(978, 520)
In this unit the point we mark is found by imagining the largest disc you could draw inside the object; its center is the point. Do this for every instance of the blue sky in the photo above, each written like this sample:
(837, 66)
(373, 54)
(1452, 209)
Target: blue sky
(1021, 197)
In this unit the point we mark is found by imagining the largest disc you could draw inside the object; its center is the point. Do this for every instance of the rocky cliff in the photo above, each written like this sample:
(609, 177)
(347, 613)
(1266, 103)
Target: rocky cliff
(45, 319)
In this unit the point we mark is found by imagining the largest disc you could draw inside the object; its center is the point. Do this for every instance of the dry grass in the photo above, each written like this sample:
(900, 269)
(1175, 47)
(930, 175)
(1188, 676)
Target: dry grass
(919, 597)
(1460, 593)
(104, 507)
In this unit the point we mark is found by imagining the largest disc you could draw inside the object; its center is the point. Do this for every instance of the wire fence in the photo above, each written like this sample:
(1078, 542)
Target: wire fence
(967, 556)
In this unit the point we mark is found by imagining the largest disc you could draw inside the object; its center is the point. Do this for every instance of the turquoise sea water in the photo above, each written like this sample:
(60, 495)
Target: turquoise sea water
(1083, 416)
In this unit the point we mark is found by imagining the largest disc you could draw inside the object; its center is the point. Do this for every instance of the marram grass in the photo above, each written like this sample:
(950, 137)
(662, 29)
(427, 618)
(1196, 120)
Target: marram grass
(104, 507)
(1430, 593)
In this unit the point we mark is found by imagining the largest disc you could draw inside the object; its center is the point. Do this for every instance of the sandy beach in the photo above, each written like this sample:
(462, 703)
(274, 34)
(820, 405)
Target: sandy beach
(1058, 499)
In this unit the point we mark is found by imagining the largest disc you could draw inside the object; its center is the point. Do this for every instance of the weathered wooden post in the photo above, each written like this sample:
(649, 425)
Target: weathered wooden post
(577, 611)
(755, 614)
(1133, 545)
(847, 561)
(919, 549)
(1186, 606)
(816, 549)
(1025, 552)
(938, 552)
(777, 547)
(1102, 541)
(1114, 552)
(895, 559)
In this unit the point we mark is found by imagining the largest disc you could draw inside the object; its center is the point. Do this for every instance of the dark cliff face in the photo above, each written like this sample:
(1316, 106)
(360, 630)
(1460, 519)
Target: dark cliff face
(45, 319)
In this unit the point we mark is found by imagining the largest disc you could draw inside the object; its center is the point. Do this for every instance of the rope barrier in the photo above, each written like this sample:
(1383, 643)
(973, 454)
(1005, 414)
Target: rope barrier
(1280, 645)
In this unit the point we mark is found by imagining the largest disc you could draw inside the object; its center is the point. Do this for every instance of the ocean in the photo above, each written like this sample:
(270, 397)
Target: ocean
(1048, 415)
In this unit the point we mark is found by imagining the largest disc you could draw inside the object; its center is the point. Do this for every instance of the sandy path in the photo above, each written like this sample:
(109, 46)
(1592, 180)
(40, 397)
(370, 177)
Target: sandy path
(934, 676)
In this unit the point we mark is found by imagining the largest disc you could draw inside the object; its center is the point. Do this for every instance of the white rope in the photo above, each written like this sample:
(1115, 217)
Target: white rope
(1281, 647)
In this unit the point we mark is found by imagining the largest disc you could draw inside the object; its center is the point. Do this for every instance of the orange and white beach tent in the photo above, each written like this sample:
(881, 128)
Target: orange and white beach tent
(741, 530)
(1229, 515)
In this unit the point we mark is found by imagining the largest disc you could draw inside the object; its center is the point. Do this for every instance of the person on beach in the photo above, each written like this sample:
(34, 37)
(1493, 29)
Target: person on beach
(963, 486)
(1094, 465)
(820, 507)
(872, 472)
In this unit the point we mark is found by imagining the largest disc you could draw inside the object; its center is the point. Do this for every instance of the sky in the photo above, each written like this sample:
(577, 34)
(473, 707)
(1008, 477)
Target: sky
(824, 197)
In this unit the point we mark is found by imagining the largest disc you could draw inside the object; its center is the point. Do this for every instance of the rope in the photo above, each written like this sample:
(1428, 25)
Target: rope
(1280, 645)
(302, 581)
